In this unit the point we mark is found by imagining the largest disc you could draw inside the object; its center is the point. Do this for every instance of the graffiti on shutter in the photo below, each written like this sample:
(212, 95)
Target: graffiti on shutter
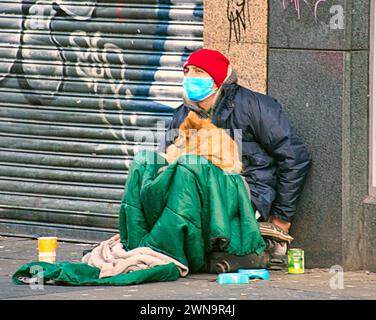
(84, 86)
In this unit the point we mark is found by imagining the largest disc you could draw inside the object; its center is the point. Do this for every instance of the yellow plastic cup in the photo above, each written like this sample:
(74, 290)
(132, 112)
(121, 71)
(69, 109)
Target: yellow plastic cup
(47, 249)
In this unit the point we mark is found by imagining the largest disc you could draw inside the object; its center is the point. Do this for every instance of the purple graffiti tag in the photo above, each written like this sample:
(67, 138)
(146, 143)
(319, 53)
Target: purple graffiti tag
(313, 5)
(317, 7)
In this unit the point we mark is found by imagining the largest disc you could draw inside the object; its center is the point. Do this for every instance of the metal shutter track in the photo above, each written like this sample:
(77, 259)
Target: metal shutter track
(79, 84)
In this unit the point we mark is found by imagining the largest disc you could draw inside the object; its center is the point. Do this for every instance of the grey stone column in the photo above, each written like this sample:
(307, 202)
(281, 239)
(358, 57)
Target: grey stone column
(239, 30)
(318, 70)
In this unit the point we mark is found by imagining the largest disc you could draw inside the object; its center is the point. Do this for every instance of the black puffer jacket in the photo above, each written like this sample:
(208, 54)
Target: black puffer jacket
(275, 159)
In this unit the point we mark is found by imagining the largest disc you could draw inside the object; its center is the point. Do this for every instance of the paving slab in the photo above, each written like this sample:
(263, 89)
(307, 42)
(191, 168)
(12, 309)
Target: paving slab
(314, 284)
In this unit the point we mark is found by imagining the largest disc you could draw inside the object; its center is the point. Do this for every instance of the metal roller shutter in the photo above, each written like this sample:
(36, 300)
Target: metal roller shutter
(82, 84)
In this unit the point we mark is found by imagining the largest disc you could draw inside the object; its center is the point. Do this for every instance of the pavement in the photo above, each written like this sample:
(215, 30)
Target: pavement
(314, 284)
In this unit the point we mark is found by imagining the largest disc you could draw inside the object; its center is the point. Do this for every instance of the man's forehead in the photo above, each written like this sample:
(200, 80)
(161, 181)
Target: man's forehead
(191, 66)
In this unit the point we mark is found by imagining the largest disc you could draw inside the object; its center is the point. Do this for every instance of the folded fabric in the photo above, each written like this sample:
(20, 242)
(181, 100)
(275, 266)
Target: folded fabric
(79, 274)
(111, 258)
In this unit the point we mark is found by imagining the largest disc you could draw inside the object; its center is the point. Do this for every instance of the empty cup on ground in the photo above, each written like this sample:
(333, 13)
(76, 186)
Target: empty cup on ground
(47, 249)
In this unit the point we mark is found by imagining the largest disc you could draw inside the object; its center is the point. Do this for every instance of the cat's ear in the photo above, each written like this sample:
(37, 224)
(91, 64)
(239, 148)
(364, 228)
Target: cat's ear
(186, 122)
(198, 122)
(192, 116)
(190, 120)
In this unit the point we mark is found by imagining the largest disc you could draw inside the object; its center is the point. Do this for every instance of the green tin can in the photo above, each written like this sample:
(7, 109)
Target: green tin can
(295, 261)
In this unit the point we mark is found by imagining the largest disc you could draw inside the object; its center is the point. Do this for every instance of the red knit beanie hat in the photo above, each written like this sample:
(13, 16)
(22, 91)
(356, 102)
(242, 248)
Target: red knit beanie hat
(212, 61)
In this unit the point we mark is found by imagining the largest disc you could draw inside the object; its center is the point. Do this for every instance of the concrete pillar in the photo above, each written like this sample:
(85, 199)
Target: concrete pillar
(312, 56)
(318, 70)
(239, 30)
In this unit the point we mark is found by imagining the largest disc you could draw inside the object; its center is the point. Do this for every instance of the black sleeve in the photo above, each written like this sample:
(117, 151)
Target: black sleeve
(172, 132)
(280, 139)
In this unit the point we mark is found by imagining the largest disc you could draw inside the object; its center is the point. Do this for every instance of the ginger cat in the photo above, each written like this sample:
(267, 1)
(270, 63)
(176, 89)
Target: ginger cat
(201, 137)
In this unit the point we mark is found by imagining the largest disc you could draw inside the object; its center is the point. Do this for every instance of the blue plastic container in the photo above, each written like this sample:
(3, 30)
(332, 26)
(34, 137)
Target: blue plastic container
(232, 278)
(262, 274)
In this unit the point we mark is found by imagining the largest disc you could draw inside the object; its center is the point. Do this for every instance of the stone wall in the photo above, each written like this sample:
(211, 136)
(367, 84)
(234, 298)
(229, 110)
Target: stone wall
(314, 59)
(318, 70)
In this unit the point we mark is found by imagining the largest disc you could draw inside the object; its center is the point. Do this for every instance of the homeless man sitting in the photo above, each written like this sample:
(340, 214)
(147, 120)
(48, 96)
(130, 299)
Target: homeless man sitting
(202, 203)
(274, 158)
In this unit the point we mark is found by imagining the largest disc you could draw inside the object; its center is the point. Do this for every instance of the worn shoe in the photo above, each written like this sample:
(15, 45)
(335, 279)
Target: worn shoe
(270, 230)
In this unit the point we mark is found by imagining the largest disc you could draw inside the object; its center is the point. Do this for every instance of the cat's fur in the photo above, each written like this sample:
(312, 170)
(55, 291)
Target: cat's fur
(201, 137)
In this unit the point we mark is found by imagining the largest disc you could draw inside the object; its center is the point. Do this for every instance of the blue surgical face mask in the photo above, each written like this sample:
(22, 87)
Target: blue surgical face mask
(198, 89)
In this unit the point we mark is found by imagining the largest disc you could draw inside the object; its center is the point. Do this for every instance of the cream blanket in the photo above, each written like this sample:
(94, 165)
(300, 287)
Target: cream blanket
(111, 258)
